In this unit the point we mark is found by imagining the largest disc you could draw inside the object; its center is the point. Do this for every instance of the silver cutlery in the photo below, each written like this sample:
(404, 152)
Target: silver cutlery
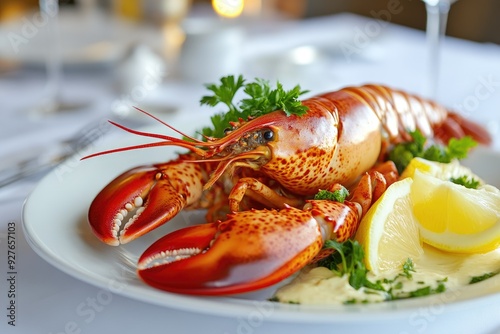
(35, 165)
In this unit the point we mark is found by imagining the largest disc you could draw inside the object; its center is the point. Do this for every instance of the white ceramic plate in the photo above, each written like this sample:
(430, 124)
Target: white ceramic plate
(55, 224)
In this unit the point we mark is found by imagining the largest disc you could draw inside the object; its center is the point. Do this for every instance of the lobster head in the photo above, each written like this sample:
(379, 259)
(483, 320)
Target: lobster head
(284, 147)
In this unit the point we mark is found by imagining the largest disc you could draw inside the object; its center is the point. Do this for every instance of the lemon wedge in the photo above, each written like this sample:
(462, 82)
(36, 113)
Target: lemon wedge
(443, 171)
(389, 232)
(454, 218)
(426, 207)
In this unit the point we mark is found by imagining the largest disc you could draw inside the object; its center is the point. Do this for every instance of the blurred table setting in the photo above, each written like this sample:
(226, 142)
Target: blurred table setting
(157, 55)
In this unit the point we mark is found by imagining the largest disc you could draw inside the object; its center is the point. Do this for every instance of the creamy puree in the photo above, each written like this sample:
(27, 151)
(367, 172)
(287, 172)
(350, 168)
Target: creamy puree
(320, 286)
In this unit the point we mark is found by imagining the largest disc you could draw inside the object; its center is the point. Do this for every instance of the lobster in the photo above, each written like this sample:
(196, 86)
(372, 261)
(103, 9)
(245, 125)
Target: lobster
(258, 183)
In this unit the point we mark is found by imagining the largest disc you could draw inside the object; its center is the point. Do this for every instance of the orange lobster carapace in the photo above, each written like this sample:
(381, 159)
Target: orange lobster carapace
(257, 183)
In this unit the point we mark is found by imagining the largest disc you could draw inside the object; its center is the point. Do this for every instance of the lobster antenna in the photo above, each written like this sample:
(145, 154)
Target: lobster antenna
(167, 125)
(157, 144)
(147, 134)
(180, 142)
(168, 141)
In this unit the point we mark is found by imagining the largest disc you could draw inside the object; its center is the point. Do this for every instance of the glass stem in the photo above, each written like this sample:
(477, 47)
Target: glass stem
(50, 10)
(437, 16)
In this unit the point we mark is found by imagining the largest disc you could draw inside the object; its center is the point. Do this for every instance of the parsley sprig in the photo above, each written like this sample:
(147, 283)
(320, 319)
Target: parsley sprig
(338, 195)
(466, 181)
(262, 99)
(347, 260)
(224, 93)
(402, 153)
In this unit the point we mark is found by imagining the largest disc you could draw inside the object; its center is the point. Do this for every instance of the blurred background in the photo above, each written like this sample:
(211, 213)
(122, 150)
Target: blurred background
(475, 20)
(166, 43)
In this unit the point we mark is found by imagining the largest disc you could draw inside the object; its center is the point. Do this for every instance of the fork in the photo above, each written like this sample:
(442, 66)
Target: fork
(40, 164)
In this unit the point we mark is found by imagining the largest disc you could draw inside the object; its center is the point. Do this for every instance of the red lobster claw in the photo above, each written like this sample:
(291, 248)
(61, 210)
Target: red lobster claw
(151, 195)
(251, 250)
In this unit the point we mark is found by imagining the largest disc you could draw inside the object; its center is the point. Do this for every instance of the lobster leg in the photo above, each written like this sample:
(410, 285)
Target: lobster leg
(146, 196)
(373, 184)
(259, 192)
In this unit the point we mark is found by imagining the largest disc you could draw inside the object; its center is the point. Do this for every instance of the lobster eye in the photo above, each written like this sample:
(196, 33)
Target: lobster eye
(268, 135)
(227, 131)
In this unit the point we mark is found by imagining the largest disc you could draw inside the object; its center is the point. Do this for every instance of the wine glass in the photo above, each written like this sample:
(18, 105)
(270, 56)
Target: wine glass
(52, 101)
(437, 17)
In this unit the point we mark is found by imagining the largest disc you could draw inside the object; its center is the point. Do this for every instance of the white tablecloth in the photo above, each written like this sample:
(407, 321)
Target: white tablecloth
(347, 50)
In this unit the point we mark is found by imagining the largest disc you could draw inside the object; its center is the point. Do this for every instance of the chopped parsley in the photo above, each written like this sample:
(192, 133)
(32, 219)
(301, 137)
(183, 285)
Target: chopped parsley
(403, 153)
(477, 279)
(277, 300)
(262, 99)
(425, 291)
(408, 268)
(466, 181)
(393, 288)
(338, 195)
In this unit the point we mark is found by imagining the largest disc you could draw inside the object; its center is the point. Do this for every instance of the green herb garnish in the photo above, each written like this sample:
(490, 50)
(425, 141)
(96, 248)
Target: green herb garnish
(262, 99)
(277, 300)
(466, 181)
(347, 260)
(477, 279)
(408, 268)
(224, 93)
(350, 301)
(425, 291)
(338, 195)
(402, 153)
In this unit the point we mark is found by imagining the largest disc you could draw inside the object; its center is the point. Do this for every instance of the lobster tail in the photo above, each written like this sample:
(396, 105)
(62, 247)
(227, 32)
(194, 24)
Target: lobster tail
(456, 126)
(400, 112)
